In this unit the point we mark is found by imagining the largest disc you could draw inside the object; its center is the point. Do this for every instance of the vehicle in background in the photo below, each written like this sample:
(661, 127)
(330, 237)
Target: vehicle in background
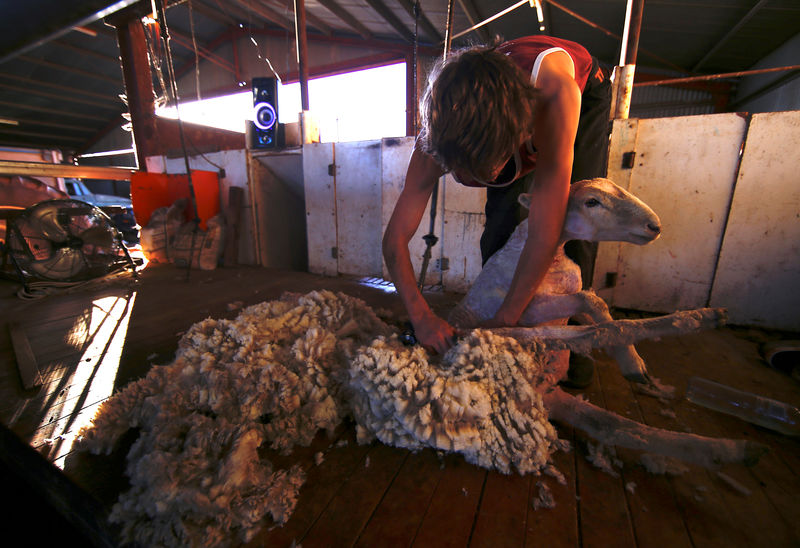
(120, 209)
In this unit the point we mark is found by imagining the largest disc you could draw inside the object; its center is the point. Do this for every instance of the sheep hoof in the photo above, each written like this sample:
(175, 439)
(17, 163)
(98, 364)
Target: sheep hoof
(638, 377)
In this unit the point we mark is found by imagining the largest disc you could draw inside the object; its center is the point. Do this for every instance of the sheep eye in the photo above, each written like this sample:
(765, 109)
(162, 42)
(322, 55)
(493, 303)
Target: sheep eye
(592, 202)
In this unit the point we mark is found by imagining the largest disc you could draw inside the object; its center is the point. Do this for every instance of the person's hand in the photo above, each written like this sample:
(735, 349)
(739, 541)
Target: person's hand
(434, 334)
(498, 320)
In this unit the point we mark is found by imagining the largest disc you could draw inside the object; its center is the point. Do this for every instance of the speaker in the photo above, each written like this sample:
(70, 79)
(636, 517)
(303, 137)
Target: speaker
(265, 113)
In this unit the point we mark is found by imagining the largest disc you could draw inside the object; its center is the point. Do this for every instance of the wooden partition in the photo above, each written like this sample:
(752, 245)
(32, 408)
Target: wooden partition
(351, 189)
(727, 189)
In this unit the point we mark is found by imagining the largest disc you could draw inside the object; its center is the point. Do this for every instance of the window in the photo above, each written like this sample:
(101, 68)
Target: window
(357, 106)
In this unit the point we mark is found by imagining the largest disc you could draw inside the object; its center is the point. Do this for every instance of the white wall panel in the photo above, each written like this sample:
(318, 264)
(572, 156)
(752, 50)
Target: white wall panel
(358, 207)
(320, 193)
(758, 279)
(395, 155)
(464, 219)
(684, 169)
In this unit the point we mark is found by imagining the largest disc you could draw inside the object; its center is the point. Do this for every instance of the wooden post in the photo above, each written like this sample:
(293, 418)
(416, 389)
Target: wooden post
(138, 81)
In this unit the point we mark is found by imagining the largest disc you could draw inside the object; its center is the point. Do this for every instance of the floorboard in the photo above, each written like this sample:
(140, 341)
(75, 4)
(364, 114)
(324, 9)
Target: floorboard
(374, 495)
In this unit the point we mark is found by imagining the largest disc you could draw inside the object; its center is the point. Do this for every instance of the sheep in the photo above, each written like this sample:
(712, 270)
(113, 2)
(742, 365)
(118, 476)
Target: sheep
(598, 210)
(283, 370)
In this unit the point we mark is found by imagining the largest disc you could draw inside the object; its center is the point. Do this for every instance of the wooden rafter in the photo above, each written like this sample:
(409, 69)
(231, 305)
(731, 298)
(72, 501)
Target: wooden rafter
(59, 112)
(260, 10)
(64, 89)
(81, 72)
(389, 16)
(312, 19)
(347, 18)
(424, 23)
(59, 97)
(474, 17)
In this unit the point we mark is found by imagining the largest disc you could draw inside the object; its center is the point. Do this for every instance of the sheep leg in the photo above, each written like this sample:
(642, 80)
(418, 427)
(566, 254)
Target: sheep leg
(582, 338)
(619, 345)
(612, 429)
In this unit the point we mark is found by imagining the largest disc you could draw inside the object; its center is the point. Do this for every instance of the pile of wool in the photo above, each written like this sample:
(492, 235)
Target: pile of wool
(276, 375)
(267, 377)
(480, 400)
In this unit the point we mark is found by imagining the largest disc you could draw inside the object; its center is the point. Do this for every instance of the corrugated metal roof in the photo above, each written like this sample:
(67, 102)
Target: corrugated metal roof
(64, 92)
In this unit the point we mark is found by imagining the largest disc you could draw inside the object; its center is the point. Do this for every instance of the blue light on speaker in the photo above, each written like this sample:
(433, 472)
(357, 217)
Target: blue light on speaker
(265, 116)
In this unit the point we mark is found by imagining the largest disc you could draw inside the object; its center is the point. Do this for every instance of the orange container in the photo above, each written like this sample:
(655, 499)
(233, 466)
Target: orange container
(149, 191)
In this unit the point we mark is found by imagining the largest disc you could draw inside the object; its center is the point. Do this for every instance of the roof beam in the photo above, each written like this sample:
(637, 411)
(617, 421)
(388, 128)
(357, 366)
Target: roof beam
(57, 66)
(87, 52)
(424, 22)
(213, 12)
(108, 105)
(719, 43)
(59, 112)
(48, 123)
(265, 13)
(468, 6)
(66, 89)
(65, 170)
(315, 21)
(389, 16)
(347, 17)
(23, 133)
(186, 42)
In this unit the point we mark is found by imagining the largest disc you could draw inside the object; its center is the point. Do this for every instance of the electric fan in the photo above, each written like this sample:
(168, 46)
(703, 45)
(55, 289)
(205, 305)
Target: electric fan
(65, 241)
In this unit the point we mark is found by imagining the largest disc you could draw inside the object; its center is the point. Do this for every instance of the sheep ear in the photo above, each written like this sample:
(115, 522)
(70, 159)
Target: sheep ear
(525, 200)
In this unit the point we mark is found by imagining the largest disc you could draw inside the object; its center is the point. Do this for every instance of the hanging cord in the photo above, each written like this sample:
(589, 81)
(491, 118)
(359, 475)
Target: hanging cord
(196, 53)
(158, 8)
(155, 61)
(430, 238)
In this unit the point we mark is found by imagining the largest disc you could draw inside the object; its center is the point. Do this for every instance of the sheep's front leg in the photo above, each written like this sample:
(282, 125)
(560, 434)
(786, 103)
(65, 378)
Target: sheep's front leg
(580, 306)
(612, 429)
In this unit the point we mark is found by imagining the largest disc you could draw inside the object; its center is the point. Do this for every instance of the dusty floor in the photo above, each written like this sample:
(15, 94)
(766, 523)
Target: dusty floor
(377, 495)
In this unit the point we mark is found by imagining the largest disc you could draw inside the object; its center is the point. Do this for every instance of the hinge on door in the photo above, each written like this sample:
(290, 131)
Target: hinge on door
(611, 279)
(628, 159)
(443, 263)
(334, 253)
(331, 169)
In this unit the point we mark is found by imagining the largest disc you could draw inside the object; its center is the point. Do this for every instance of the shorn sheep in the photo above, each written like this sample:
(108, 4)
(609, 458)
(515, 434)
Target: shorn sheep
(284, 370)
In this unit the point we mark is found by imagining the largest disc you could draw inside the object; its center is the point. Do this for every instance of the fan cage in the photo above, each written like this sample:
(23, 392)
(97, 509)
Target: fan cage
(65, 240)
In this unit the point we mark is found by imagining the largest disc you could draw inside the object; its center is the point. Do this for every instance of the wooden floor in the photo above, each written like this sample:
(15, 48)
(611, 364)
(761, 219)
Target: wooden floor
(88, 342)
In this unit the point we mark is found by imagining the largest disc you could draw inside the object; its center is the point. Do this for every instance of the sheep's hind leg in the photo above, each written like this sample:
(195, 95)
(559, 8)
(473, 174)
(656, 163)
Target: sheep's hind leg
(612, 429)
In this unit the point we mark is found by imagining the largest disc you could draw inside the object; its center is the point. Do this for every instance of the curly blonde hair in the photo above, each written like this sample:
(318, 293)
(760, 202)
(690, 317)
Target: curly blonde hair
(477, 109)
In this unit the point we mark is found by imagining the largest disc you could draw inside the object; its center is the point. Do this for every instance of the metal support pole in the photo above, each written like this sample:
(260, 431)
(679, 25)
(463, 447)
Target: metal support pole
(302, 50)
(624, 73)
(302, 65)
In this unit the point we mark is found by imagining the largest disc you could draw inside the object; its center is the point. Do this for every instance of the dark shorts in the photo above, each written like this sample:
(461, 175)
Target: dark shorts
(503, 211)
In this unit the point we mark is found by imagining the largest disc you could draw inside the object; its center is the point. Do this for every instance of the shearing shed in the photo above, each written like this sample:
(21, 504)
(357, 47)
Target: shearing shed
(252, 295)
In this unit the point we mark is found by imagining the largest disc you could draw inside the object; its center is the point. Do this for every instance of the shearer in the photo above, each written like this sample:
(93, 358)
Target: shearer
(528, 115)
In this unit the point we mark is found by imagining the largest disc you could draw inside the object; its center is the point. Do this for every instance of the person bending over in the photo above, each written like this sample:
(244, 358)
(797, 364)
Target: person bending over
(529, 115)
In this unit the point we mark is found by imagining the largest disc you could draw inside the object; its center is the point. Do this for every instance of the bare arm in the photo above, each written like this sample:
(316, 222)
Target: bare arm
(423, 172)
(557, 112)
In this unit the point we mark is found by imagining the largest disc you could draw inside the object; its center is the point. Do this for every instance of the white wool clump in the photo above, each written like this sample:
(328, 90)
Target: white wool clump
(661, 465)
(276, 375)
(480, 401)
(265, 377)
(603, 457)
